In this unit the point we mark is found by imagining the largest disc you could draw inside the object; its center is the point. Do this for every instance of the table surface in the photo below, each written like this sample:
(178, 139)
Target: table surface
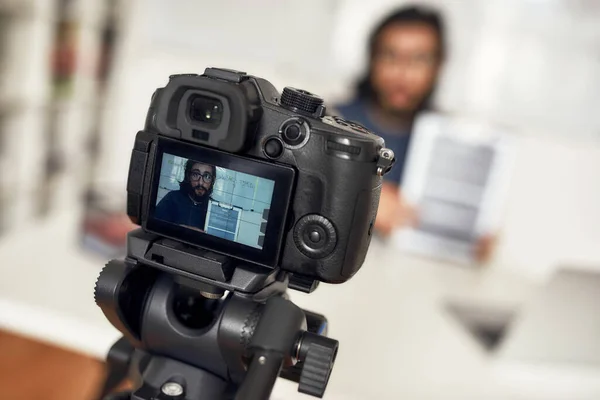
(396, 340)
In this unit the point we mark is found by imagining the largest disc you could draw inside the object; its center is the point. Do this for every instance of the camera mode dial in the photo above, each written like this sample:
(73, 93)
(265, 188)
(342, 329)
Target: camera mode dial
(301, 101)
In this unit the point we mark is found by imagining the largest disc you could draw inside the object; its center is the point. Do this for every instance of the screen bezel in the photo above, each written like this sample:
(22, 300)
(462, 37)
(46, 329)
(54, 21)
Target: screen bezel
(283, 176)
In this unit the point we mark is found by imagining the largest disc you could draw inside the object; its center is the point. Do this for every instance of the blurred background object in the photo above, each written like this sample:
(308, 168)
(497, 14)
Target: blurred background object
(76, 77)
(457, 176)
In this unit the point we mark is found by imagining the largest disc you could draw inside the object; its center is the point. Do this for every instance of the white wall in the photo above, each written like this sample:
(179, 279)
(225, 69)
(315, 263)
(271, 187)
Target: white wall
(285, 42)
(26, 104)
(525, 64)
(553, 211)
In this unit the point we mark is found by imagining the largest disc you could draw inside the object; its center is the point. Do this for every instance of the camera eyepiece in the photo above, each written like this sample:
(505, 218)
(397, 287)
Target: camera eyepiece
(206, 110)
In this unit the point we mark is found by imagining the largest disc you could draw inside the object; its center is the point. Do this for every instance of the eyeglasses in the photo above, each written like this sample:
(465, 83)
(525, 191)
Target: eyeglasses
(206, 177)
(412, 61)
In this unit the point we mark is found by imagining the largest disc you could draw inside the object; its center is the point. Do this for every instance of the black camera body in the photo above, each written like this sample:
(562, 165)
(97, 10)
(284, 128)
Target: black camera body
(292, 188)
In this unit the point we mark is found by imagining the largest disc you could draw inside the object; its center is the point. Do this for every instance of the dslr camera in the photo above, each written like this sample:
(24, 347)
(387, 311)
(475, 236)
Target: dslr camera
(287, 186)
(238, 190)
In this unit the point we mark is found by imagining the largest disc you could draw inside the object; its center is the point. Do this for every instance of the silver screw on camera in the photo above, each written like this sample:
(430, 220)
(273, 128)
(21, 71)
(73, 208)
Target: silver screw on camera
(386, 158)
(173, 389)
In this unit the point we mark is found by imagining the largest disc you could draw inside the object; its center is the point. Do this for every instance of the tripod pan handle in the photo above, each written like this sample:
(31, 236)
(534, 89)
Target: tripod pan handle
(261, 376)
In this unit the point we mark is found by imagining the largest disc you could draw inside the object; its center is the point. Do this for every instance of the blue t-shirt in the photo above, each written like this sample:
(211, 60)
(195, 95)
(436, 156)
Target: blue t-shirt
(398, 141)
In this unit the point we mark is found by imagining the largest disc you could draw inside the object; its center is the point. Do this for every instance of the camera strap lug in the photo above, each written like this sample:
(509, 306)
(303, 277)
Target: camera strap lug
(385, 161)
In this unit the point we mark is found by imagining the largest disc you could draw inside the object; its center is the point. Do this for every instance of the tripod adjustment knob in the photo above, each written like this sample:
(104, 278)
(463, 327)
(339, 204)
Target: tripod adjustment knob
(317, 354)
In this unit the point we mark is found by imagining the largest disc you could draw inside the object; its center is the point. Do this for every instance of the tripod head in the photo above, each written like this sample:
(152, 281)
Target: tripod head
(180, 331)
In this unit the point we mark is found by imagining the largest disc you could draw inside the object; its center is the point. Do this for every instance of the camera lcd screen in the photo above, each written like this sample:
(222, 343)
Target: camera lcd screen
(220, 201)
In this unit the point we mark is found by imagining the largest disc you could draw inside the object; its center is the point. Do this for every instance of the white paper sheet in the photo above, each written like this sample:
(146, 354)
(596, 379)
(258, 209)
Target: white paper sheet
(456, 175)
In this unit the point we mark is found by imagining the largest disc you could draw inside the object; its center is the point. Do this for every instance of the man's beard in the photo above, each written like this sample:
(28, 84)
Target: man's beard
(198, 193)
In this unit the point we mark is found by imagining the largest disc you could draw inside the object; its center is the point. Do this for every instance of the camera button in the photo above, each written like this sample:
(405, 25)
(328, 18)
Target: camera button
(294, 132)
(273, 148)
(314, 236)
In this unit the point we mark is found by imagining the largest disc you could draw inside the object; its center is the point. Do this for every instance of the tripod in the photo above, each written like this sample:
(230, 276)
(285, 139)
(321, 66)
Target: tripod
(197, 326)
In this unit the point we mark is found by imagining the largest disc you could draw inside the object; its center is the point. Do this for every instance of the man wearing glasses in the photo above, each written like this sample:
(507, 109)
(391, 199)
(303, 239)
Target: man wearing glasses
(188, 205)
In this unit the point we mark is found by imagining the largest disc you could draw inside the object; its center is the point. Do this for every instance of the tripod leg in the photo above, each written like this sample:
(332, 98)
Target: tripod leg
(118, 360)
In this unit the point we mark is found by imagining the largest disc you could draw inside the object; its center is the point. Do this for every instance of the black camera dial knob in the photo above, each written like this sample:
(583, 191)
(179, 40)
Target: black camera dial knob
(315, 236)
(299, 100)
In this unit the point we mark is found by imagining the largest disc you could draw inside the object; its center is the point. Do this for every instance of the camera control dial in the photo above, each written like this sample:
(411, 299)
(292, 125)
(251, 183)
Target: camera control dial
(315, 236)
(301, 101)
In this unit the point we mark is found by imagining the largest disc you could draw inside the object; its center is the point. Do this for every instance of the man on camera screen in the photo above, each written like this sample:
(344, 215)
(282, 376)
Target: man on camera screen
(188, 205)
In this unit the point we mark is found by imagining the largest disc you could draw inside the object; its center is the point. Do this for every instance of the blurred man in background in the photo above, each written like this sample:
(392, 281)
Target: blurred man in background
(405, 55)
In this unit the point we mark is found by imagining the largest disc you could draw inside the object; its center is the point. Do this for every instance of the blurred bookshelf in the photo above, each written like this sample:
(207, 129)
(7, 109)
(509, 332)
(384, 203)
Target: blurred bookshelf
(54, 66)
